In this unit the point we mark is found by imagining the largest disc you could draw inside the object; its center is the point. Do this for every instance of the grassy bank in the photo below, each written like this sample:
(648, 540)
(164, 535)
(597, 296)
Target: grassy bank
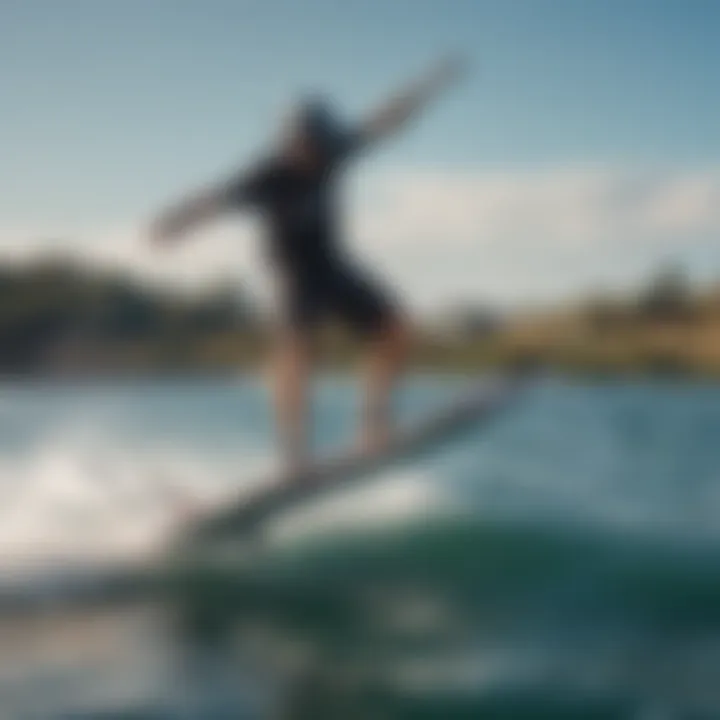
(56, 318)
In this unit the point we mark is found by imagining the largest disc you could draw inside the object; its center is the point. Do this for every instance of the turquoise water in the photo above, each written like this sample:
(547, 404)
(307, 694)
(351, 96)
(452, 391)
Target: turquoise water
(563, 562)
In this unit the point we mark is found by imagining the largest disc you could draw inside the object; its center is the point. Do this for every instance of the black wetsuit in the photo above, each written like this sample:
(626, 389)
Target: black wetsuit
(298, 207)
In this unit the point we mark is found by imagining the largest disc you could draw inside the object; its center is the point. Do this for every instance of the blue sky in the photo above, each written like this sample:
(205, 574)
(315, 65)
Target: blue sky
(110, 108)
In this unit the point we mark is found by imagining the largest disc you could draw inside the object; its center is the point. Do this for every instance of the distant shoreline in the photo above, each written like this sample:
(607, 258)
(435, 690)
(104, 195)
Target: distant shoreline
(201, 375)
(61, 323)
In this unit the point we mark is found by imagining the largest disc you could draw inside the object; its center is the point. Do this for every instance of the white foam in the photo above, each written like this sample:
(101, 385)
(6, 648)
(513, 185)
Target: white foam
(389, 499)
(76, 498)
(81, 494)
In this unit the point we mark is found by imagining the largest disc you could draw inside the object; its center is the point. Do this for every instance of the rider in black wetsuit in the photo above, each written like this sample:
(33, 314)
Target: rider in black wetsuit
(295, 197)
(293, 191)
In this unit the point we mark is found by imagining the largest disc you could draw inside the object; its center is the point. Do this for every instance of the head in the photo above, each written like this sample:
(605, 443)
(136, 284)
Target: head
(311, 132)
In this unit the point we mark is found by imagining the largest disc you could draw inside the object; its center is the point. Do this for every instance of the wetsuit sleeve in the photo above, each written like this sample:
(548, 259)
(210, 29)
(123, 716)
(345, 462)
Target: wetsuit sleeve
(247, 188)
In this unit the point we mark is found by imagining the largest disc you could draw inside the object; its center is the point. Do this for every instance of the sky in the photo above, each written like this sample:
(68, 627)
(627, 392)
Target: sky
(581, 152)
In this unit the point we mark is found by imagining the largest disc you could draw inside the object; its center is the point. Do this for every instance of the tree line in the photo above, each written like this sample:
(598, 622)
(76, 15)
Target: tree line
(55, 313)
(57, 316)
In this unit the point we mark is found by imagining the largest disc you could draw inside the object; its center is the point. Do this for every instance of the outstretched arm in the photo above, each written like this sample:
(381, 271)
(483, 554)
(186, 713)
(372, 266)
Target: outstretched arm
(208, 204)
(404, 106)
(189, 214)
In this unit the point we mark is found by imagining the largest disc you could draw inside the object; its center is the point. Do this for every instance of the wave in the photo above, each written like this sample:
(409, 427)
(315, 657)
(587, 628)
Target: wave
(80, 499)
(79, 510)
(78, 516)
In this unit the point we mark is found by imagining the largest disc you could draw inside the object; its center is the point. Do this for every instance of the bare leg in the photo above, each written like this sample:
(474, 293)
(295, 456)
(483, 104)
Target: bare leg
(292, 372)
(386, 361)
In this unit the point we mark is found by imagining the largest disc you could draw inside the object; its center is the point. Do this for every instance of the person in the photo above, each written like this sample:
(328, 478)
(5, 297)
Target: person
(292, 189)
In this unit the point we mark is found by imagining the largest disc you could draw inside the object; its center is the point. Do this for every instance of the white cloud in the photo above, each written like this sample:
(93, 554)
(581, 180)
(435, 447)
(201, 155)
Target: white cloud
(447, 234)
(568, 207)
(543, 233)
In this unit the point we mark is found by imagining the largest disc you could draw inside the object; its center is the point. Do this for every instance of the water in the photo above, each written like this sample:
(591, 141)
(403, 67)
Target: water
(563, 562)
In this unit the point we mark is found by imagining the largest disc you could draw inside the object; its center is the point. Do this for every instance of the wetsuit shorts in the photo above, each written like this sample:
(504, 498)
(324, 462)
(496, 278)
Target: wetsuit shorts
(341, 292)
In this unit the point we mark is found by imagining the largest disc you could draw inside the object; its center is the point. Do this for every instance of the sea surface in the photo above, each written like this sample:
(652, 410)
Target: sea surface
(562, 561)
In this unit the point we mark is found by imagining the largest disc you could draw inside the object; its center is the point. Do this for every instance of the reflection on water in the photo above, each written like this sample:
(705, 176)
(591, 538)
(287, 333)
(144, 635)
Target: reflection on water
(562, 564)
(77, 661)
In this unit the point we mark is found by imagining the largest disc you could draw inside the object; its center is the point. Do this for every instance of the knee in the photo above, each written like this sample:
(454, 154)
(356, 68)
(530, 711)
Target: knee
(398, 336)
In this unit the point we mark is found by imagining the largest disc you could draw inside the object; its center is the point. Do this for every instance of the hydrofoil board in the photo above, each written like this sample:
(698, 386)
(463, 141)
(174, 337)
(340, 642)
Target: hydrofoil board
(476, 406)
